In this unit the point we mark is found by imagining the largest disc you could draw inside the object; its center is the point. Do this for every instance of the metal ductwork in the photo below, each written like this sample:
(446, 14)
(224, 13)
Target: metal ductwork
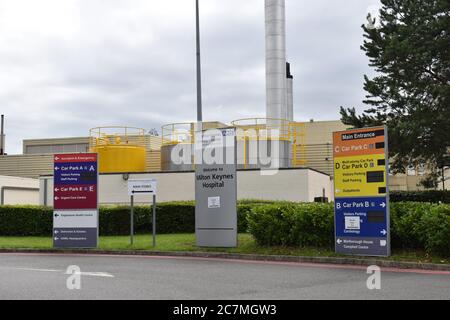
(276, 59)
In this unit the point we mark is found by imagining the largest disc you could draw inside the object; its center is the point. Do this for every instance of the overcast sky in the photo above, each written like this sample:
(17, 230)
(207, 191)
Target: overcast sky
(69, 65)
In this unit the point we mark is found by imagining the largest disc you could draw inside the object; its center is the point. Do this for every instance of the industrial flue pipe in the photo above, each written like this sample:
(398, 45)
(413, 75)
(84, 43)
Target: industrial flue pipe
(289, 92)
(2, 136)
(276, 93)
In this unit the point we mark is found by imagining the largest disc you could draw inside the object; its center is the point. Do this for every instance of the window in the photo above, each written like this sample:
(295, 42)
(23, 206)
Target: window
(69, 148)
(82, 147)
(57, 148)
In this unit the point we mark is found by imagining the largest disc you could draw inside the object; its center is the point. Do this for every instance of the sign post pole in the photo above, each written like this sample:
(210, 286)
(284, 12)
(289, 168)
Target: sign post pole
(132, 220)
(154, 221)
(136, 187)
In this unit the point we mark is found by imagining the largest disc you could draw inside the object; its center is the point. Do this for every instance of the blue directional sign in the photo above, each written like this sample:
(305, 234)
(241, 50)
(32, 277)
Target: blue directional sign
(75, 173)
(361, 166)
(361, 217)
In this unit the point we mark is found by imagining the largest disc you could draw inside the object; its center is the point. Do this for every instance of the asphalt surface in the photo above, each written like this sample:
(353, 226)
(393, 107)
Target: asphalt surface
(24, 276)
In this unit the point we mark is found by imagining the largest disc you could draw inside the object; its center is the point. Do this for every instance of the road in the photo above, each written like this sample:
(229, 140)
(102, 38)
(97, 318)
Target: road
(25, 276)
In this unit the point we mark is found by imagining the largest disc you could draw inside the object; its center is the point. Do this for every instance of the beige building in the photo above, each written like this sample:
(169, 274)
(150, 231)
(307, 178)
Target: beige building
(298, 185)
(315, 149)
(19, 191)
(318, 153)
(317, 144)
(37, 157)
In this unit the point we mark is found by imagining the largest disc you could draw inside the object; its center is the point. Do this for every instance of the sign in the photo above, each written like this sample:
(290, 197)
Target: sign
(216, 191)
(82, 219)
(361, 192)
(214, 202)
(360, 176)
(136, 187)
(75, 217)
(80, 197)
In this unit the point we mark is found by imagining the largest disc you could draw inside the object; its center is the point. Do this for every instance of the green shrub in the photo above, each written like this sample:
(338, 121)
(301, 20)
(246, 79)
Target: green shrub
(405, 218)
(114, 221)
(268, 224)
(312, 224)
(293, 224)
(25, 221)
(172, 217)
(434, 230)
(422, 226)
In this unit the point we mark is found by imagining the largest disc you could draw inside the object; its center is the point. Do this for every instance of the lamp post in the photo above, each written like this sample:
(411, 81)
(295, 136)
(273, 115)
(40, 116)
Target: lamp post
(198, 128)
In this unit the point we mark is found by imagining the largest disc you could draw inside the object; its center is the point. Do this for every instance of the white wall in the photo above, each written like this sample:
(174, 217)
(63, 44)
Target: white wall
(300, 185)
(318, 183)
(19, 191)
(287, 185)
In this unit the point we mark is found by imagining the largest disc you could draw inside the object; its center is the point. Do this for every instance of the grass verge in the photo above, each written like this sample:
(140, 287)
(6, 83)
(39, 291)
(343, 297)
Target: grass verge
(186, 243)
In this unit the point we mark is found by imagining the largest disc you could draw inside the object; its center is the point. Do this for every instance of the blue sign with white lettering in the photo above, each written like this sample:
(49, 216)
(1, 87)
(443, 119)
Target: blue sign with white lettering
(81, 173)
(361, 217)
(361, 186)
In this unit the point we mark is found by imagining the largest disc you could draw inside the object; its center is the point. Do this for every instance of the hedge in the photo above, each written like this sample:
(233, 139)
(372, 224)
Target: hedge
(25, 221)
(413, 226)
(434, 196)
(173, 217)
(423, 226)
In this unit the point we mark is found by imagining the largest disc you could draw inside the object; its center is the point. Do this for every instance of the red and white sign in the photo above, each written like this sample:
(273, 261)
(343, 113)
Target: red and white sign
(75, 193)
(75, 197)
(75, 183)
(75, 157)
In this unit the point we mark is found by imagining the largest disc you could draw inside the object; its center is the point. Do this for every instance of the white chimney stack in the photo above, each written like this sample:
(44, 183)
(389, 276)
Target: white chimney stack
(276, 90)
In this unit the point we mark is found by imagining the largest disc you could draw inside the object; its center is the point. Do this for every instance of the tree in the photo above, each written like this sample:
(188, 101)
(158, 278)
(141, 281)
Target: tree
(409, 48)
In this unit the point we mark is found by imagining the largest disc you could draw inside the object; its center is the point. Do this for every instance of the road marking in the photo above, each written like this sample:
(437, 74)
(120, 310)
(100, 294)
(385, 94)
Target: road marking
(94, 274)
(239, 261)
(37, 270)
(88, 274)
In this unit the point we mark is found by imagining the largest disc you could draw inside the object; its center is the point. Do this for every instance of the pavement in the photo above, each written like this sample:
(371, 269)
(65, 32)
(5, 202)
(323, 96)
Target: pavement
(43, 276)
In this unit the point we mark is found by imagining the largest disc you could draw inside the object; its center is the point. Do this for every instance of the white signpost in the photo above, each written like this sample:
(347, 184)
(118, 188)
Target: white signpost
(136, 187)
(216, 190)
(141, 187)
(64, 219)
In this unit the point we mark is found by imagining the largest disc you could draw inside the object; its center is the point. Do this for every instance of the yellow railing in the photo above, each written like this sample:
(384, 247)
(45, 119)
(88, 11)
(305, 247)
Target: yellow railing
(270, 129)
(116, 135)
(247, 129)
(184, 133)
(298, 134)
(262, 129)
(178, 133)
